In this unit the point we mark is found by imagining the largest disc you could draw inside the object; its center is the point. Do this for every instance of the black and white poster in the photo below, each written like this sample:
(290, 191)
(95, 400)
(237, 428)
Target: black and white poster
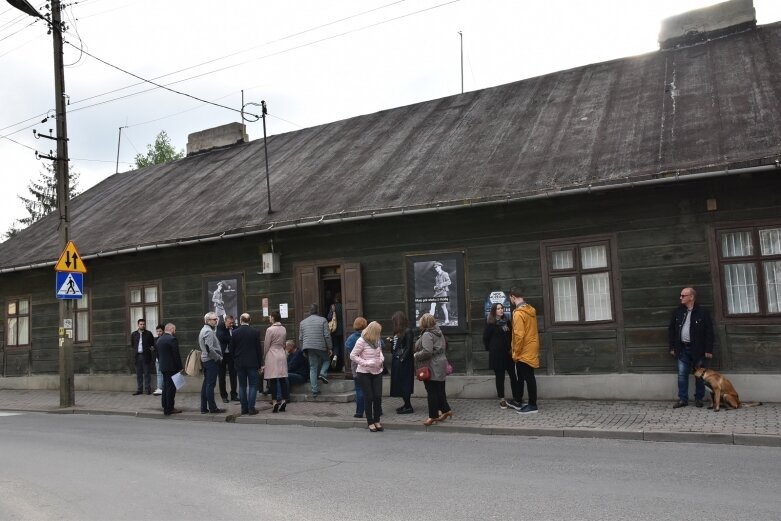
(436, 286)
(223, 295)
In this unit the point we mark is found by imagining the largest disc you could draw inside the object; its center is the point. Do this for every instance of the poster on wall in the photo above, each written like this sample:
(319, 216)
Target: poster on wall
(435, 285)
(223, 294)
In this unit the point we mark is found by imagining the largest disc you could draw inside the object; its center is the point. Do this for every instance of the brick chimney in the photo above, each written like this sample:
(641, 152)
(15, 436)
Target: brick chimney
(217, 137)
(707, 23)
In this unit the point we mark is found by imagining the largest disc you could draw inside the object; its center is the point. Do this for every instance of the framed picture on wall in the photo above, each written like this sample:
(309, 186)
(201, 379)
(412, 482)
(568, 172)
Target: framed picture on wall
(223, 294)
(435, 285)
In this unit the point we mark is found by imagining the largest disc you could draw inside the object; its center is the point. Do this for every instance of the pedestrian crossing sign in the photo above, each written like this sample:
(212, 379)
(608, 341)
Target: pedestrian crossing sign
(69, 285)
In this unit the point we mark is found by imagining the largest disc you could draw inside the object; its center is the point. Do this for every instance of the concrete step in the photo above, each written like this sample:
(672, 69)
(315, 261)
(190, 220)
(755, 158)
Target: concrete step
(306, 396)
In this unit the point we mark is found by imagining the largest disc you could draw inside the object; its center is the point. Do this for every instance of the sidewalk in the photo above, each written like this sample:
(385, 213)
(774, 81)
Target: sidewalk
(630, 420)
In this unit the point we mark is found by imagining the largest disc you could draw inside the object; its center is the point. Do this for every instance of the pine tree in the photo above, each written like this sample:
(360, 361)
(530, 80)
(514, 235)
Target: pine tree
(42, 199)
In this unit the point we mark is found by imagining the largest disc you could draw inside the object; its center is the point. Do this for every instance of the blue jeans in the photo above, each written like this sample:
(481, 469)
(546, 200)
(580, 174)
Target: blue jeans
(685, 366)
(359, 405)
(248, 388)
(210, 371)
(295, 379)
(318, 360)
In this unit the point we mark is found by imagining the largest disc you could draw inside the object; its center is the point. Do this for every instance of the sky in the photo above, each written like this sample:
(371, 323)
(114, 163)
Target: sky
(312, 61)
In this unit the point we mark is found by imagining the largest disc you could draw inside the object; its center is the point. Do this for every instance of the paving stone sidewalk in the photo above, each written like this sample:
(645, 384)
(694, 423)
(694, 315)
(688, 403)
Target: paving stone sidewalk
(636, 420)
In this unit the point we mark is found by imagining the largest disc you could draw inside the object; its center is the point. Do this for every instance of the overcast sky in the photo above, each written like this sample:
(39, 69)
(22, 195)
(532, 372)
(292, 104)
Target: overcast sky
(312, 61)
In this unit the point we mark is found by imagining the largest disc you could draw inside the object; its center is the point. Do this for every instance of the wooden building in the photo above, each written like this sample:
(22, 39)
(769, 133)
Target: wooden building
(600, 190)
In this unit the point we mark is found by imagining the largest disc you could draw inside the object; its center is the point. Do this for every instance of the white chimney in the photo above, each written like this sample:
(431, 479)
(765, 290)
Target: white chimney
(216, 137)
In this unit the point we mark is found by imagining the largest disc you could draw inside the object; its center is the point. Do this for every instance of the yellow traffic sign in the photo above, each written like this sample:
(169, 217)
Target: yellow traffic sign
(70, 260)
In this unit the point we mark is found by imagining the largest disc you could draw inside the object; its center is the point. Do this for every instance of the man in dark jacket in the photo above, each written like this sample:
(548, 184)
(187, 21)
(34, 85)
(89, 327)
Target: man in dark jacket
(142, 342)
(248, 358)
(297, 365)
(691, 342)
(224, 331)
(170, 364)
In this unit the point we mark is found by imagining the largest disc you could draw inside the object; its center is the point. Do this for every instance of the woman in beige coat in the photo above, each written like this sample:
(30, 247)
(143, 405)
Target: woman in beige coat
(275, 362)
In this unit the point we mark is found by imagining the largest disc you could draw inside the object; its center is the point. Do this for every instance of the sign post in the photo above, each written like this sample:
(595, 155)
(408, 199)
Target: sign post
(68, 285)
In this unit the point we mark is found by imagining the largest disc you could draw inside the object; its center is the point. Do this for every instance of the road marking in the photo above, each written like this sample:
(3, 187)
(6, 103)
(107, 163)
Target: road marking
(10, 413)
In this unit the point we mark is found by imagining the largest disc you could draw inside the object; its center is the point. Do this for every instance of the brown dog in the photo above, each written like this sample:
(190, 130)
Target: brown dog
(720, 388)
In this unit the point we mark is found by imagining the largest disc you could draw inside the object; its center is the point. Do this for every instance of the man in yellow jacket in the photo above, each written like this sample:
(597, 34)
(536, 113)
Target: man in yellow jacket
(525, 348)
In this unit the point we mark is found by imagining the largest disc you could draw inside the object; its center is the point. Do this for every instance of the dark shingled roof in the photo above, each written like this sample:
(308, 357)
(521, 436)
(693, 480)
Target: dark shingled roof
(705, 107)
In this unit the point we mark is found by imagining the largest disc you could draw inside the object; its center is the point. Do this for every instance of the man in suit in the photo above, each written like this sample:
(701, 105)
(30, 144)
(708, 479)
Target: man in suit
(142, 343)
(170, 364)
(224, 331)
(248, 358)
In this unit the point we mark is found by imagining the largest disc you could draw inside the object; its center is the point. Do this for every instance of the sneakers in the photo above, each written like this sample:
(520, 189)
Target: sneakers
(502, 404)
(158, 392)
(528, 409)
(515, 405)
(323, 379)
(698, 403)
(679, 404)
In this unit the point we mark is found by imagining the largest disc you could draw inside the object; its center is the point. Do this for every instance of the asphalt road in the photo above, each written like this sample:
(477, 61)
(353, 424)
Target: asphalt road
(114, 467)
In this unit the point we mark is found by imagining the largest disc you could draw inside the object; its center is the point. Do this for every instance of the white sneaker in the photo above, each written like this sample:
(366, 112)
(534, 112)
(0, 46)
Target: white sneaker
(502, 404)
(158, 392)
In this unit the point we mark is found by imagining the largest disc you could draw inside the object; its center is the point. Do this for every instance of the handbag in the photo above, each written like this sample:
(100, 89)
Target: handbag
(423, 373)
(192, 366)
(449, 369)
(332, 324)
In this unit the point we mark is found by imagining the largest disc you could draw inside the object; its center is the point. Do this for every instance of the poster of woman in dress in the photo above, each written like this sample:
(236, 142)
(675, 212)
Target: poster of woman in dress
(437, 288)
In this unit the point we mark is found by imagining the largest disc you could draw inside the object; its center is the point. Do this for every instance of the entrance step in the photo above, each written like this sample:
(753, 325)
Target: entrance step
(336, 390)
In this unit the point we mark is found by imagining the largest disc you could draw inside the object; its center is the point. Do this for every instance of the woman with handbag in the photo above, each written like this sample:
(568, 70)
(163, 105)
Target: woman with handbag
(430, 354)
(275, 362)
(402, 364)
(496, 339)
(367, 356)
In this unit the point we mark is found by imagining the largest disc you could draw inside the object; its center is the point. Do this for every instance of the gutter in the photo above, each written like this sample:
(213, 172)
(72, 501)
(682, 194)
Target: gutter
(432, 208)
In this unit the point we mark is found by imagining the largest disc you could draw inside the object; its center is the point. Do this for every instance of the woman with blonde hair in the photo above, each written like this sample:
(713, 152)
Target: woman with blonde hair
(430, 352)
(368, 359)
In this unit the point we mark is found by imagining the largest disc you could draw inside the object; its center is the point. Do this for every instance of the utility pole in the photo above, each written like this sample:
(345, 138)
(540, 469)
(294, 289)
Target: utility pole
(461, 36)
(119, 141)
(265, 151)
(67, 391)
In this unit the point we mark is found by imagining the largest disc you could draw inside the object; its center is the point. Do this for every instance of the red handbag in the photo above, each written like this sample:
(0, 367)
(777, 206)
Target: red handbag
(423, 374)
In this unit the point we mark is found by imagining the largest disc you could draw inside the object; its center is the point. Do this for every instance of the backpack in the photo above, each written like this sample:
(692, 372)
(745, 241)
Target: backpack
(192, 366)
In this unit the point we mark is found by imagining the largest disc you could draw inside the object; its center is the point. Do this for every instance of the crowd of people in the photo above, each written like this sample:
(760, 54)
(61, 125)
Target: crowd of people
(512, 341)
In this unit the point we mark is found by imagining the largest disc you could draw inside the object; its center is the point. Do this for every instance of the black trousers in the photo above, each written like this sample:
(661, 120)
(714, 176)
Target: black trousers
(437, 400)
(227, 366)
(169, 392)
(510, 370)
(279, 389)
(371, 385)
(143, 375)
(525, 373)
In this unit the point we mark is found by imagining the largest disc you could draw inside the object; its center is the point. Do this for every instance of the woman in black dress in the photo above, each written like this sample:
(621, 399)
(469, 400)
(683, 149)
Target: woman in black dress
(403, 363)
(497, 341)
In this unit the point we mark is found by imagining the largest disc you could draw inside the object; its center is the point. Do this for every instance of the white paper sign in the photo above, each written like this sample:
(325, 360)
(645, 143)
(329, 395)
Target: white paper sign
(179, 380)
(283, 310)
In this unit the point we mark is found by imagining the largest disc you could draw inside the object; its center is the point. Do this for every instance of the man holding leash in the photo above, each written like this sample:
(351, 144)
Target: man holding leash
(691, 342)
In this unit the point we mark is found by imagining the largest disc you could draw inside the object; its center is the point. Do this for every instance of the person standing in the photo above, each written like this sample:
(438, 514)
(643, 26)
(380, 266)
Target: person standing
(170, 364)
(497, 339)
(315, 340)
(142, 342)
(430, 352)
(248, 358)
(402, 362)
(337, 337)
(367, 356)
(224, 332)
(275, 362)
(359, 324)
(525, 349)
(211, 356)
(691, 338)
(217, 299)
(158, 334)
(441, 287)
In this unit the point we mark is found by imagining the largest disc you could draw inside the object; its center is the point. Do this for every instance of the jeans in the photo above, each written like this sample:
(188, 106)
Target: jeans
(143, 377)
(371, 384)
(525, 373)
(159, 375)
(210, 370)
(279, 389)
(685, 366)
(318, 360)
(295, 379)
(437, 400)
(248, 387)
(510, 370)
(359, 405)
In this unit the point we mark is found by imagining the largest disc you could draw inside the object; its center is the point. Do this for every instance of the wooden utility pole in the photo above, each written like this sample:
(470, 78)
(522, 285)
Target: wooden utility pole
(67, 391)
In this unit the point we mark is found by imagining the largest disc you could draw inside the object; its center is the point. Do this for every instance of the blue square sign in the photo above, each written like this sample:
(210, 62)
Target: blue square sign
(69, 285)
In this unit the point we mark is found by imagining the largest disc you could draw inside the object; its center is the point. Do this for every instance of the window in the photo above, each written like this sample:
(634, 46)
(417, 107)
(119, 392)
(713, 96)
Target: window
(83, 310)
(578, 280)
(18, 317)
(750, 270)
(144, 303)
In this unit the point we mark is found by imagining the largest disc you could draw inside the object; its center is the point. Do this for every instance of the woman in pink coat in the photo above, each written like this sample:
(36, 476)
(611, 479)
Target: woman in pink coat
(275, 362)
(367, 356)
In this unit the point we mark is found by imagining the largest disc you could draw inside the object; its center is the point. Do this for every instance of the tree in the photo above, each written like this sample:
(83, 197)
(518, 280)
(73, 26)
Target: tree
(161, 152)
(42, 199)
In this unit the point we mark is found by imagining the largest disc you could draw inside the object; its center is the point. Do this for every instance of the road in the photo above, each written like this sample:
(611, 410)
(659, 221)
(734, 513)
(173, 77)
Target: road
(115, 467)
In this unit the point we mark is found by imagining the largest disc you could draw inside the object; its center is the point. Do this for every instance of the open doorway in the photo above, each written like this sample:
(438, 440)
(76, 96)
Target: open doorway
(331, 303)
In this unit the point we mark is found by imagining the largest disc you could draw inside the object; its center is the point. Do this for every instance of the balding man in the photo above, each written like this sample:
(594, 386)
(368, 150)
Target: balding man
(248, 358)
(691, 342)
(170, 364)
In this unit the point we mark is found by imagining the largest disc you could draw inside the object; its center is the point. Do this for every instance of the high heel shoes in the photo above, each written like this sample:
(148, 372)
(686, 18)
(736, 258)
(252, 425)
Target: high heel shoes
(445, 415)
(429, 422)
(276, 408)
